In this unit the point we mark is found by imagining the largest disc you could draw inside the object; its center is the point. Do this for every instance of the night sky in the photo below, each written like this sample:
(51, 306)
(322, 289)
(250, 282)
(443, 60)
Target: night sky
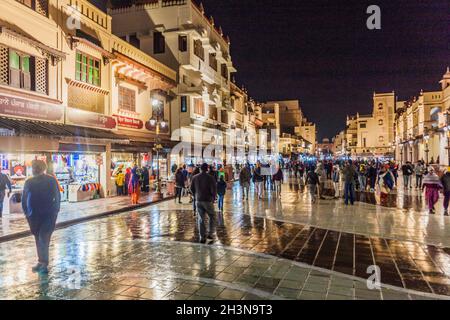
(321, 52)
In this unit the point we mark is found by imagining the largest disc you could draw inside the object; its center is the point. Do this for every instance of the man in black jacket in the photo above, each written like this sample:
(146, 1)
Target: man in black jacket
(204, 189)
(41, 204)
(4, 183)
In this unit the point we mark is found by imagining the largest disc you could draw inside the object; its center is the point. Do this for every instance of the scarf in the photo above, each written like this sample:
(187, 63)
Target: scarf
(432, 179)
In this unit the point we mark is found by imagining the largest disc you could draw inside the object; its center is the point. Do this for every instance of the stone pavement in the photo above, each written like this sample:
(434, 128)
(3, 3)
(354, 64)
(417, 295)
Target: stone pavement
(105, 259)
(266, 249)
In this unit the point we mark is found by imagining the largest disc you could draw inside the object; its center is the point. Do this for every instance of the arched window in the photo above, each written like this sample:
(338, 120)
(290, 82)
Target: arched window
(380, 122)
(381, 139)
(380, 107)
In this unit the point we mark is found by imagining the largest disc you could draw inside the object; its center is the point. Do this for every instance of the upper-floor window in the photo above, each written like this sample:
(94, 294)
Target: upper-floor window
(19, 70)
(23, 71)
(127, 99)
(40, 6)
(159, 43)
(134, 40)
(363, 125)
(184, 106)
(224, 71)
(182, 43)
(381, 139)
(199, 107)
(213, 61)
(87, 69)
(380, 122)
(199, 51)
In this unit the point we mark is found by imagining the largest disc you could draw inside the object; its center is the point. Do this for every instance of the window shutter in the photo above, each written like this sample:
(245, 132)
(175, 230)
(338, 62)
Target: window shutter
(14, 78)
(26, 80)
(42, 7)
(4, 65)
(26, 73)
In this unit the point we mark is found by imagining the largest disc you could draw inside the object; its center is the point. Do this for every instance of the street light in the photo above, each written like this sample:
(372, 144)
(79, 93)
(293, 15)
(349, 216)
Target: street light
(158, 123)
(401, 152)
(426, 137)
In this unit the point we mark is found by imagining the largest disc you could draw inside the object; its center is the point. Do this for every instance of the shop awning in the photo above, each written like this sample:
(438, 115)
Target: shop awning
(15, 127)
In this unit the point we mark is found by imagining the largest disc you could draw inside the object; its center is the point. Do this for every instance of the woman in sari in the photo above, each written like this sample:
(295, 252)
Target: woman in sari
(133, 186)
(432, 184)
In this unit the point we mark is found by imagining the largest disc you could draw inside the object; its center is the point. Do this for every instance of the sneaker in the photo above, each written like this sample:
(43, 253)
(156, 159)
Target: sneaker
(210, 238)
(36, 268)
(40, 268)
(203, 241)
(43, 270)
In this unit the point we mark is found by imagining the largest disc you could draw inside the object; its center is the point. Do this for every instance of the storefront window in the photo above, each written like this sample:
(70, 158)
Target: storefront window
(77, 174)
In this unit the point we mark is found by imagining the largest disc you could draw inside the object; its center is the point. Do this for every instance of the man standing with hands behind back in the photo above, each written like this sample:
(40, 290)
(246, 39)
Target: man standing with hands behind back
(4, 183)
(204, 189)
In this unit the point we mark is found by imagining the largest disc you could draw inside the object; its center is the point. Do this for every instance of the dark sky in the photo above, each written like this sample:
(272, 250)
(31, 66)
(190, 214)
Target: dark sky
(322, 53)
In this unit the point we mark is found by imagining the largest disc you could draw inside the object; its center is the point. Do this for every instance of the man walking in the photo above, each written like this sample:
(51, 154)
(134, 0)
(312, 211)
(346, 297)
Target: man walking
(419, 170)
(41, 203)
(445, 180)
(204, 189)
(278, 179)
(4, 183)
(244, 181)
(407, 171)
(258, 180)
(312, 180)
(321, 173)
(348, 175)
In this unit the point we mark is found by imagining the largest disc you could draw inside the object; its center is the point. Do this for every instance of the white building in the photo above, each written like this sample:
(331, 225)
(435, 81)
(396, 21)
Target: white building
(178, 34)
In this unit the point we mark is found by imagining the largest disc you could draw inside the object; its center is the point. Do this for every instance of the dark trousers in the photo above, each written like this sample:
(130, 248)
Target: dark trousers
(2, 198)
(446, 200)
(349, 192)
(220, 201)
(203, 209)
(419, 181)
(178, 194)
(119, 190)
(42, 231)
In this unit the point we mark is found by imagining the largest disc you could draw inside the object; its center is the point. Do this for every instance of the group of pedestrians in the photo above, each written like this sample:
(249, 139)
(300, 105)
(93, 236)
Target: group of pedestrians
(132, 181)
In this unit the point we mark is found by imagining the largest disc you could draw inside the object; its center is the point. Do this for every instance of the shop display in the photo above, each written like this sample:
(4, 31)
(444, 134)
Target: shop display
(72, 170)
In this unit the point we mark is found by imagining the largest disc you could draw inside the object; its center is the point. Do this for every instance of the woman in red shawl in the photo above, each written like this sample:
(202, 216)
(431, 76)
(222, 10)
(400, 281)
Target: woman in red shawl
(432, 184)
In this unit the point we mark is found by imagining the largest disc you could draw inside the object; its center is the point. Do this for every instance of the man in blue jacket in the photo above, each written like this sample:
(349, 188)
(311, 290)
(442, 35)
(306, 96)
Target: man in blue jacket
(41, 203)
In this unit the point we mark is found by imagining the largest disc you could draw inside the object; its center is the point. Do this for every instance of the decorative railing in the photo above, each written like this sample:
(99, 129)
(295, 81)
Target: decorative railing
(90, 11)
(132, 52)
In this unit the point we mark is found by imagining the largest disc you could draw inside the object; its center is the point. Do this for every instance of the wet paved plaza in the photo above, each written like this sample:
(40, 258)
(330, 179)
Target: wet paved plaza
(272, 249)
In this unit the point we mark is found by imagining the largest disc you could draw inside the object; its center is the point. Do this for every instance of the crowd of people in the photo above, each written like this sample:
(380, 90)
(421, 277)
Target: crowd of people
(207, 185)
(132, 181)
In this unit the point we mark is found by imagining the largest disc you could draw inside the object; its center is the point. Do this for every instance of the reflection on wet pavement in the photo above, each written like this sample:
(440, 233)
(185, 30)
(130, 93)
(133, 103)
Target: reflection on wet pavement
(269, 249)
(111, 263)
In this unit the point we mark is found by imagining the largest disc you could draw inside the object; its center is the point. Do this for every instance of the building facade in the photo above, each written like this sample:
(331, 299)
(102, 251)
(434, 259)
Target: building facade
(372, 135)
(180, 35)
(76, 96)
(422, 131)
